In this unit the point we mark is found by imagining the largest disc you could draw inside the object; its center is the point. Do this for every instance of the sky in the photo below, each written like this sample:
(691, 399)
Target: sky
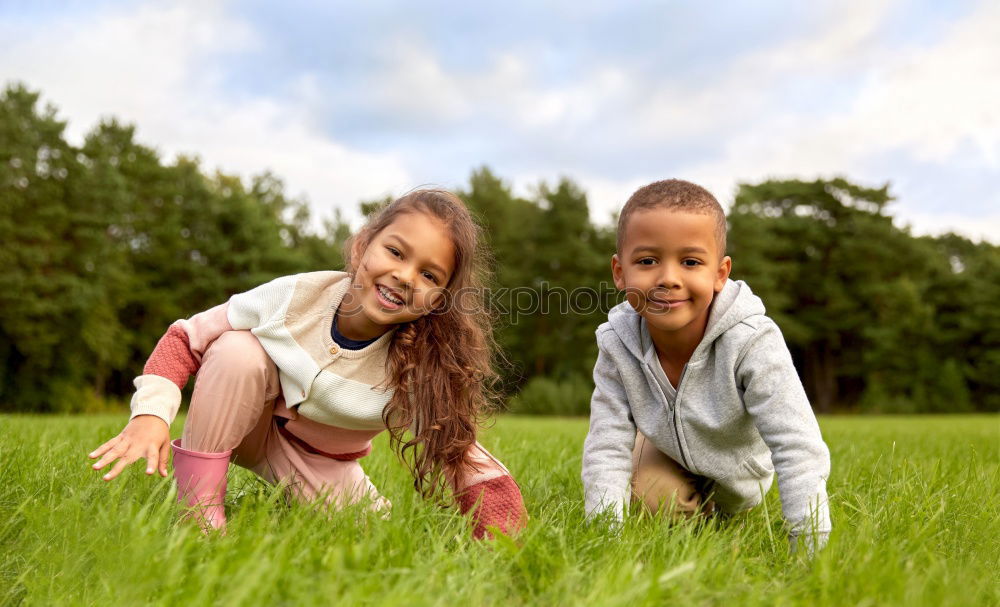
(353, 100)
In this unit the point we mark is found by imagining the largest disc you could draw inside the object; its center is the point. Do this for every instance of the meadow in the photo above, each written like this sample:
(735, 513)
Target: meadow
(914, 503)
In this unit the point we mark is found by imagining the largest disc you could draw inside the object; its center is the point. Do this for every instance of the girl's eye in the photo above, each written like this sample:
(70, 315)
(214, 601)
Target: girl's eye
(393, 250)
(430, 277)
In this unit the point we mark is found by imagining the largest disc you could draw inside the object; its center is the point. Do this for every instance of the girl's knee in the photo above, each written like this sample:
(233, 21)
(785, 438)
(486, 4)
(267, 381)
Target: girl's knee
(239, 351)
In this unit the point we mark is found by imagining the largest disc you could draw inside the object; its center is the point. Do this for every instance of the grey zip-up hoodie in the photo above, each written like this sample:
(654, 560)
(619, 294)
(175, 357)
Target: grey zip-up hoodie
(740, 414)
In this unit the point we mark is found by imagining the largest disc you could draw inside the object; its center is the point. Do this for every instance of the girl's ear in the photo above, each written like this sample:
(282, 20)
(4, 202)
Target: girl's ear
(357, 250)
(440, 302)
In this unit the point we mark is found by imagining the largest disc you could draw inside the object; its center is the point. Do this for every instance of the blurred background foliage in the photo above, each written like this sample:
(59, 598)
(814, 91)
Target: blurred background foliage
(102, 246)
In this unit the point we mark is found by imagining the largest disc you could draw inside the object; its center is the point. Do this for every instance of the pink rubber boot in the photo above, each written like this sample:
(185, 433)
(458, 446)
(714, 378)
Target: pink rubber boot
(201, 483)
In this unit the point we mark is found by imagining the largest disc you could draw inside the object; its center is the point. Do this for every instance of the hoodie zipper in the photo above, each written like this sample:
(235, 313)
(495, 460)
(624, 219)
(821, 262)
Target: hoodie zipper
(677, 432)
(672, 408)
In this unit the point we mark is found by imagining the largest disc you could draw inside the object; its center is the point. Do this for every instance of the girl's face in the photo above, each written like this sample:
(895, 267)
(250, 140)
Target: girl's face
(401, 275)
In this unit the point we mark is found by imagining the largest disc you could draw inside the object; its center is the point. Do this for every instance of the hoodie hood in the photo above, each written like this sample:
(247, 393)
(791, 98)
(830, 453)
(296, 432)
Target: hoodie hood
(731, 306)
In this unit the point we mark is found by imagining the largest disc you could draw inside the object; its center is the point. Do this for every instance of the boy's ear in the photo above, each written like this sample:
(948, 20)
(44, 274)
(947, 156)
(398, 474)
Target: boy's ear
(722, 275)
(617, 272)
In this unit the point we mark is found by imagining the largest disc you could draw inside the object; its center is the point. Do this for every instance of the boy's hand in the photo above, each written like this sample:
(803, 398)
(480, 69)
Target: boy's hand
(145, 436)
(811, 542)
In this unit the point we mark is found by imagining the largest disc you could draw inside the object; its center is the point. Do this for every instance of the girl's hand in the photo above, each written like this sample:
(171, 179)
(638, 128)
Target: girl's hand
(145, 436)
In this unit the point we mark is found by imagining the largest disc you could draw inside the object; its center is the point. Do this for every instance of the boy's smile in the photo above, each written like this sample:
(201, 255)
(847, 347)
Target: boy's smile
(401, 276)
(670, 268)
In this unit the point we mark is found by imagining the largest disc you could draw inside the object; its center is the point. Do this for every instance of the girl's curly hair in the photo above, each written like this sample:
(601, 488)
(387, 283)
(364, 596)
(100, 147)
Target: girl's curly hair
(440, 366)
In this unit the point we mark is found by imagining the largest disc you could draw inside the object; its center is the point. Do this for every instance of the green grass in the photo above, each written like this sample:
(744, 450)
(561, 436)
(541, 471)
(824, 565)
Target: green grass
(914, 500)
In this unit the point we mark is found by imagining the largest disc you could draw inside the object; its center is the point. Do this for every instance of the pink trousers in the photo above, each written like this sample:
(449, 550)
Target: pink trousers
(236, 404)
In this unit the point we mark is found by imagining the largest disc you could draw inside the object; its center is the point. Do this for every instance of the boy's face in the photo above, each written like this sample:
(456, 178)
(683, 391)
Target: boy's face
(670, 268)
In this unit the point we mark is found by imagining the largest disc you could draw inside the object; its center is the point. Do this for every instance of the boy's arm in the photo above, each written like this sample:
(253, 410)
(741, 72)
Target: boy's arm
(607, 451)
(774, 396)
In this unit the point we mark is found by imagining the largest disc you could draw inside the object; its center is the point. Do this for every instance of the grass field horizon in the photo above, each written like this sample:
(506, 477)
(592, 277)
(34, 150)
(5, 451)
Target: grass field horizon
(913, 499)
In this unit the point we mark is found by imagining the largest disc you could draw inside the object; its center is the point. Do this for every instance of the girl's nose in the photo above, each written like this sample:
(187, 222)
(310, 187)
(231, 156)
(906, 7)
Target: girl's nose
(405, 276)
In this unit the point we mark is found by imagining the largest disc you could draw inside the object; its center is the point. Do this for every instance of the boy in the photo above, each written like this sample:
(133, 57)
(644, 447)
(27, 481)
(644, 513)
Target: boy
(695, 393)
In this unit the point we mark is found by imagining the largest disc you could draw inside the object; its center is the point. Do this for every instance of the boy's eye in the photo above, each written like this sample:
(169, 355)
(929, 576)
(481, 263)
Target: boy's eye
(646, 261)
(691, 263)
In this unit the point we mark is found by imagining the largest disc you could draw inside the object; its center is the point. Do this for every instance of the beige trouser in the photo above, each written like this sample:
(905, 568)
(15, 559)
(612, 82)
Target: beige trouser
(662, 485)
(235, 403)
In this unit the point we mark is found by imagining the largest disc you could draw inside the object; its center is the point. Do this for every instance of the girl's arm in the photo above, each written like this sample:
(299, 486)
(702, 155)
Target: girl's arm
(176, 357)
(178, 354)
(489, 492)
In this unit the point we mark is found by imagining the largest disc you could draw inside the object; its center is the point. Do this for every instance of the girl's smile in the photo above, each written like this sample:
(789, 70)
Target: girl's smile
(388, 298)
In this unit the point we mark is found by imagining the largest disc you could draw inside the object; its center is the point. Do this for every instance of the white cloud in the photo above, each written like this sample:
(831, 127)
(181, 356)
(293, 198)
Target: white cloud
(933, 101)
(850, 37)
(986, 227)
(412, 82)
(158, 66)
(925, 104)
(746, 93)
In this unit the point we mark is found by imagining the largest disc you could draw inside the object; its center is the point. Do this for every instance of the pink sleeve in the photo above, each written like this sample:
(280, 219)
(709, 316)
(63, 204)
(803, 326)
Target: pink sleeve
(177, 355)
(490, 493)
(494, 503)
(484, 467)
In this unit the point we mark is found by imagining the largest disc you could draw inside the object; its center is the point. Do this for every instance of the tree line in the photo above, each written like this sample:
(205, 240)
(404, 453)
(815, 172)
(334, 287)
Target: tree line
(106, 243)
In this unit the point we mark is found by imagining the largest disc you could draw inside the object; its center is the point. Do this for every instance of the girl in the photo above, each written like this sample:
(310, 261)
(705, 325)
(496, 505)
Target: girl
(295, 377)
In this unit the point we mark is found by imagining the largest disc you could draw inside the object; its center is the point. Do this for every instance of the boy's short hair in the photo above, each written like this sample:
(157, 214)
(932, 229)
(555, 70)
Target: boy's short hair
(674, 195)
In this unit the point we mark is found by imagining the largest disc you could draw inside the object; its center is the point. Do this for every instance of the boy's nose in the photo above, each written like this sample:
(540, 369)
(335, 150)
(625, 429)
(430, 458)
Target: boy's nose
(668, 280)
